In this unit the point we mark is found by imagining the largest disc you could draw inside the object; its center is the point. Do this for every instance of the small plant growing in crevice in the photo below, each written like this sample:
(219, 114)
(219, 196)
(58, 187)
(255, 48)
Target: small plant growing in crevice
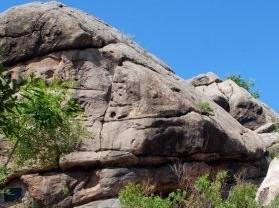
(273, 154)
(66, 191)
(248, 85)
(205, 108)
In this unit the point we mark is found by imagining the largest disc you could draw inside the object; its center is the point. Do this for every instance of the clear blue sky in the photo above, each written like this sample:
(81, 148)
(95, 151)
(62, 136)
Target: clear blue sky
(196, 36)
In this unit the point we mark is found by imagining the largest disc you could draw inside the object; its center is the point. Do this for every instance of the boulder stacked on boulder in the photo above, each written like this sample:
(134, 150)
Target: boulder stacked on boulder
(249, 111)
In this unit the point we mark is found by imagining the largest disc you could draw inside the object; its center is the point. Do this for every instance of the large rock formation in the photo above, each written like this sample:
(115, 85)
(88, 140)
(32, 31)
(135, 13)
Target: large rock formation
(269, 188)
(143, 118)
(249, 111)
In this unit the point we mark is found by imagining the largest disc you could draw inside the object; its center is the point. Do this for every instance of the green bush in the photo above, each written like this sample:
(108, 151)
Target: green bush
(275, 203)
(241, 196)
(31, 203)
(206, 193)
(205, 107)
(246, 84)
(132, 196)
(211, 191)
(4, 172)
(66, 191)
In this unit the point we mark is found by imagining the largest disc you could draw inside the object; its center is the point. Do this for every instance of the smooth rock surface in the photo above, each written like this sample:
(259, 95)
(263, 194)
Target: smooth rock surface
(52, 188)
(205, 79)
(269, 188)
(270, 139)
(109, 158)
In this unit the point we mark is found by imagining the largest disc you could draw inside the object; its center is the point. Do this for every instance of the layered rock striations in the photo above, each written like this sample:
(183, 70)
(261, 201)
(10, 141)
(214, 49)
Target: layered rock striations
(142, 117)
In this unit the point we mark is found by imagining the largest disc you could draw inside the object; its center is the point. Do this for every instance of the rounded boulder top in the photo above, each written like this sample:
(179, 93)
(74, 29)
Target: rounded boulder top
(35, 29)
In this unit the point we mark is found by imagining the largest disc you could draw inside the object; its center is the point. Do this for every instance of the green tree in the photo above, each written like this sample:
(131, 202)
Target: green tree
(40, 119)
(42, 125)
(8, 95)
(246, 84)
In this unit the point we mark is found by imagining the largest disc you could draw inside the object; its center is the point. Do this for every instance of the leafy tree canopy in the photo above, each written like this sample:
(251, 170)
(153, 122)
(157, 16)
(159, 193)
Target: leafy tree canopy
(40, 119)
(248, 85)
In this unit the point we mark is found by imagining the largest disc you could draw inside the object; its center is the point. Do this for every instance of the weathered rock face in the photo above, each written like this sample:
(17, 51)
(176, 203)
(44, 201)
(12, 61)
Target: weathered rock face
(52, 188)
(249, 111)
(143, 118)
(270, 136)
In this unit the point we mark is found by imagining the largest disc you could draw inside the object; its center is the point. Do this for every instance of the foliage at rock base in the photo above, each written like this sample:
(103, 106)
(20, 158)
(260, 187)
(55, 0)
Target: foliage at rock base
(206, 193)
